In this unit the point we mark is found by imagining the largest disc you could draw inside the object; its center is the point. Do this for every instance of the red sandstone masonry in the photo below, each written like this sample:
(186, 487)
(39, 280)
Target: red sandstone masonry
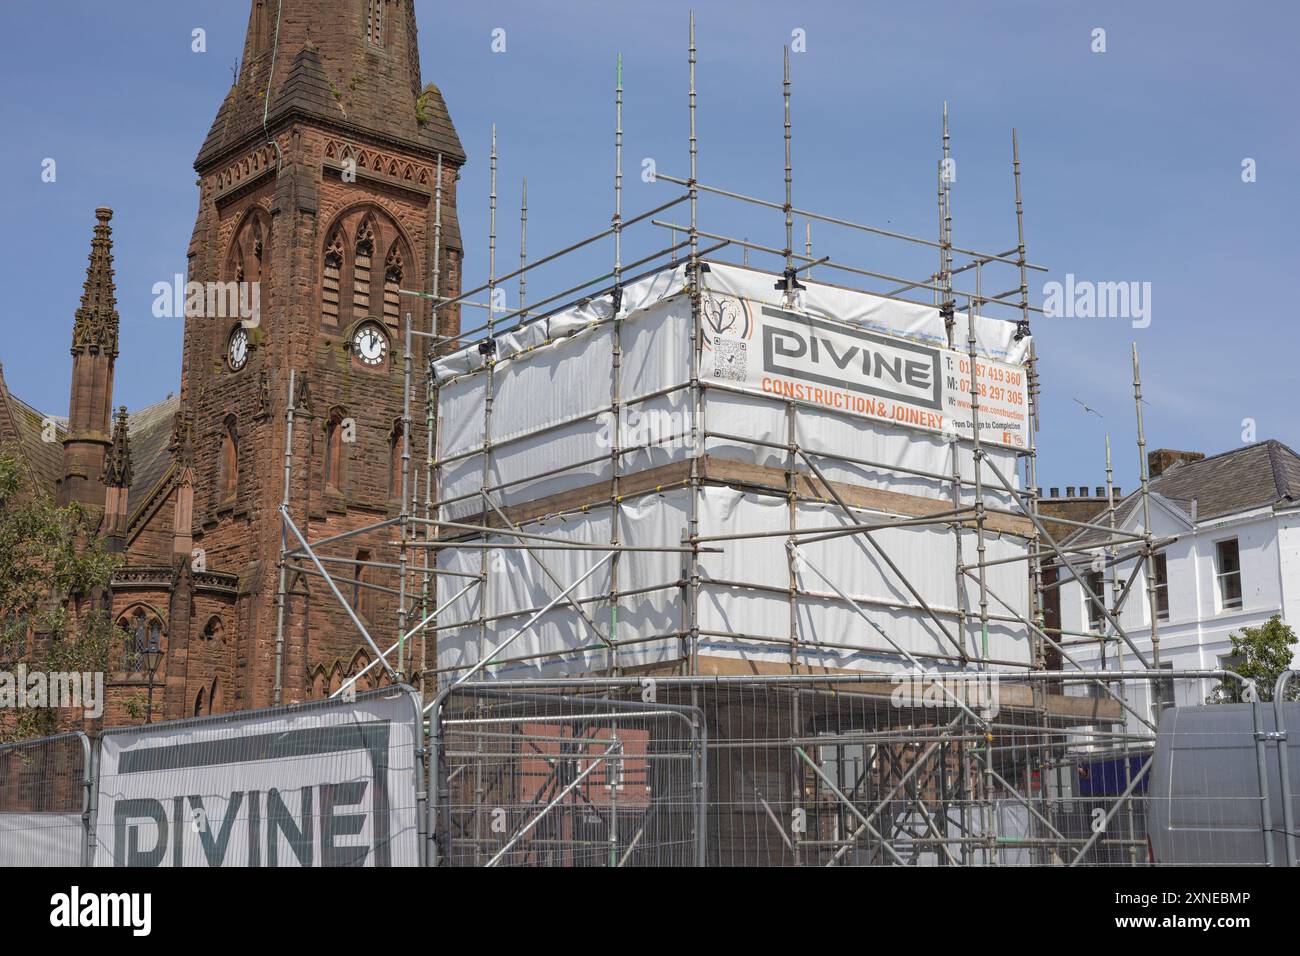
(292, 200)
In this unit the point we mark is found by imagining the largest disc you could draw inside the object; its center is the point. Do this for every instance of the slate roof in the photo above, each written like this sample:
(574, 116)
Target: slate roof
(1256, 476)
(151, 431)
(44, 459)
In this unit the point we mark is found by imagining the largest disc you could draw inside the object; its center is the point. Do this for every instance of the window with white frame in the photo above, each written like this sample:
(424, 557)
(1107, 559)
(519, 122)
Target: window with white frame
(1227, 571)
(1096, 583)
(1162, 587)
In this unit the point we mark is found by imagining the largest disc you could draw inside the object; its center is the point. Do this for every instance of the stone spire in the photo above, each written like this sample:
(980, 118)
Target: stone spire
(351, 64)
(117, 463)
(96, 325)
(94, 350)
(181, 445)
(117, 483)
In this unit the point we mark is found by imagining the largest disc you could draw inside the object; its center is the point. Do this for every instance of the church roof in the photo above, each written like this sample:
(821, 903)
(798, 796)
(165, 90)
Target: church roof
(23, 428)
(150, 430)
(326, 69)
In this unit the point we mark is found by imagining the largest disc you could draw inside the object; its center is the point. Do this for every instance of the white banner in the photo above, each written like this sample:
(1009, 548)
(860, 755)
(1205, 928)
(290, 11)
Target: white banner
(331, 785)
(772, 351)
(41, 839)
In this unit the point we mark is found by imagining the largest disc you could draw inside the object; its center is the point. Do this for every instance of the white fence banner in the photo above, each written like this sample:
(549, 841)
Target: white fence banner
(322, 784)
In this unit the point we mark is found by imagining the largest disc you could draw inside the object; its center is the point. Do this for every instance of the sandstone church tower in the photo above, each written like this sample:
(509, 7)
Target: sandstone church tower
(317, 181)
(317, 186)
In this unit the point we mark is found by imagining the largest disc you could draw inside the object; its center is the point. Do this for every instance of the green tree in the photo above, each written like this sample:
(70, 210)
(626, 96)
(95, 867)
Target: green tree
(53, 572)
(1261, 654)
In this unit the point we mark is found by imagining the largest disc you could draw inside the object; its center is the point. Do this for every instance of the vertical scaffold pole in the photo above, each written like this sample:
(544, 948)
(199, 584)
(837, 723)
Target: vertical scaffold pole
(616, 375)
(945, 238)
(977, 452)
(789, 183)
(1112, 552)
(978, 456)
(404, 515)
(1031, 387)
(430, 410)
(488, 348)
(523, 247)
(792, 508)
(1147, 537)
(692, 575)
(936, 294)
(281, 596)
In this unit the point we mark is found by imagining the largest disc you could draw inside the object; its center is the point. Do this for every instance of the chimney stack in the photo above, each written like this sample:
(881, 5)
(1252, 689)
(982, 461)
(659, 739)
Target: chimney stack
(1163, 459)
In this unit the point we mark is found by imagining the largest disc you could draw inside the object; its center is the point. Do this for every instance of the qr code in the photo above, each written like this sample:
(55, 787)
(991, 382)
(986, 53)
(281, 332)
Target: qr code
(729, 359)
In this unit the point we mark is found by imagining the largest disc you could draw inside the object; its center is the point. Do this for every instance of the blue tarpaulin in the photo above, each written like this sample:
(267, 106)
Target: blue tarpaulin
(1107, 778)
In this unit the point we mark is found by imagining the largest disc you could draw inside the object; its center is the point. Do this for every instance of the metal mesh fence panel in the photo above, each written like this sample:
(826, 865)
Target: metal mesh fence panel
(838, 772)
(668, 771)
(602, 778)
(43, 801)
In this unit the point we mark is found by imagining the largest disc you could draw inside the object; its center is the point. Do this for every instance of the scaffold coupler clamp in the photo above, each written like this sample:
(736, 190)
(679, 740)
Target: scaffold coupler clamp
(789, 281)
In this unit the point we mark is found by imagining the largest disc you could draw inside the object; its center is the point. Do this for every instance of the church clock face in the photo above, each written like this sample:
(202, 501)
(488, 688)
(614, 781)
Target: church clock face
(237, 350)
(370, 345)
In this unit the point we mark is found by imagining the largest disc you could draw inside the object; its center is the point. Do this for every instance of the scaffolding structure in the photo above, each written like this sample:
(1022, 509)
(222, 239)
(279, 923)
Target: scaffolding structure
(944, 768)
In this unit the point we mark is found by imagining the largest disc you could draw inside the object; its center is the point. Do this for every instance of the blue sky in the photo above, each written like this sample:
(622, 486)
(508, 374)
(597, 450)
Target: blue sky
(1132, 168)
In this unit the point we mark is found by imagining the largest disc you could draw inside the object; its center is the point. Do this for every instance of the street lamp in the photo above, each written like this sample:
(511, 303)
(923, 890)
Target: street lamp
(152, 658)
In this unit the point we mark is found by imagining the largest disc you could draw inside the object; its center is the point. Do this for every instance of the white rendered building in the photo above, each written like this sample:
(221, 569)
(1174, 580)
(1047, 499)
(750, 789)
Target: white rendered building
(1233, 562)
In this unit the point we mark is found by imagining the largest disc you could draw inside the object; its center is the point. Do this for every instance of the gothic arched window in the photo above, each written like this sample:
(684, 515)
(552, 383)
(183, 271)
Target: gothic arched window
(362, 596)
(365, 251)
(228, 479)
(334, 458)
(257, 246)
(331, 280)
(261, 26)
(365, 262)
(375, 22)
(392, 285)
(141, 632)
(247, 263)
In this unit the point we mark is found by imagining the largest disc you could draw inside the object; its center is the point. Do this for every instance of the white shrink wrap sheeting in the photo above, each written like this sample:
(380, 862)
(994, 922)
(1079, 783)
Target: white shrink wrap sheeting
(744, 594)
(553, 387)
(517, 588)
(552, 431)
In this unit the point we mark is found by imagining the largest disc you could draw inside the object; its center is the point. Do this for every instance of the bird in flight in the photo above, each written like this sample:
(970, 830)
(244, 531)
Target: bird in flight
(1089, 408)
